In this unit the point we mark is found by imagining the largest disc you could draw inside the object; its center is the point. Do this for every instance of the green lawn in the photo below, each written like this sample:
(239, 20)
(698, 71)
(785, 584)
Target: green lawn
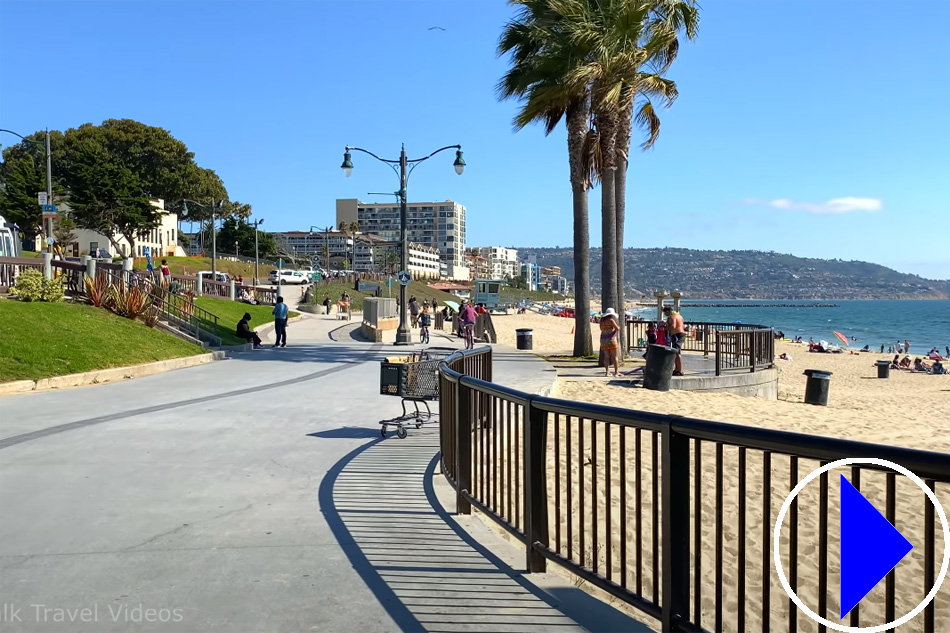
(420, 289)
(230, 312)
(39, 340)
(193, 265)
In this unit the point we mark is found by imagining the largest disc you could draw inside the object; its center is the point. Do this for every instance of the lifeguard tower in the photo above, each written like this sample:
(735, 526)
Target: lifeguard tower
(488, 292)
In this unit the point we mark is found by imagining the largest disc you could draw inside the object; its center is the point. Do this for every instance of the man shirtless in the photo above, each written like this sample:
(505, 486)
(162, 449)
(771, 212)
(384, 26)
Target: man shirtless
(675, 332)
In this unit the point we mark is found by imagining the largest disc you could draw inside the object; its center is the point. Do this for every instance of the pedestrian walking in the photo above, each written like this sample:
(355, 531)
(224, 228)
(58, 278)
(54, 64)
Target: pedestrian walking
(280, 322)
(166, 272)
(326, 301)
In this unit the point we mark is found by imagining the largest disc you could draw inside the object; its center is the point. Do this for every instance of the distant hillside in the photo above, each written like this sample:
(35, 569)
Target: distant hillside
(750, 275)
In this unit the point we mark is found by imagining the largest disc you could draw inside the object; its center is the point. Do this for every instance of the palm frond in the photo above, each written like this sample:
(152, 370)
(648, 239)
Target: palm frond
(647, 119)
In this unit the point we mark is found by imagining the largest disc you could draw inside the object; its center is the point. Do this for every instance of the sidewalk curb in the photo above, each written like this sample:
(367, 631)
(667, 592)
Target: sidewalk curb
(112, 374)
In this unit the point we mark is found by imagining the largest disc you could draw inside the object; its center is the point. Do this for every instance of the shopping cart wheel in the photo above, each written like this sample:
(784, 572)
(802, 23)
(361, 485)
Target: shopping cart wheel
(382, 431)
(401, 432)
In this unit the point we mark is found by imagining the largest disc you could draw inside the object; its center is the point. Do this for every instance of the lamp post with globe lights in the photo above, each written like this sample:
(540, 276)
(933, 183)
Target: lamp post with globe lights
(404, 167)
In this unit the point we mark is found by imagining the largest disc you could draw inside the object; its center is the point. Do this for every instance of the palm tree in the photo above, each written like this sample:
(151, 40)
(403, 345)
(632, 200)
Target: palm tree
(543, 60)
(667, 18)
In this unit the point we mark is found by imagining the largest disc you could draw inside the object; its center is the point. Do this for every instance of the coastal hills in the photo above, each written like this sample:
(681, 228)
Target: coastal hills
(765, 275)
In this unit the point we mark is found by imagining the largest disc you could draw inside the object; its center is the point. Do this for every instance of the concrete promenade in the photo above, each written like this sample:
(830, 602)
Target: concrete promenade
(255, 494)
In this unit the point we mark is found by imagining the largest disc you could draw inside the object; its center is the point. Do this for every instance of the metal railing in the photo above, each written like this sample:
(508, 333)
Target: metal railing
(736, 346)
(672, 515)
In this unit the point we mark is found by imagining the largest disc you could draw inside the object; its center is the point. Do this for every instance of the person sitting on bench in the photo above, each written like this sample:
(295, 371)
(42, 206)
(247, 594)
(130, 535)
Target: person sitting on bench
(244, 331)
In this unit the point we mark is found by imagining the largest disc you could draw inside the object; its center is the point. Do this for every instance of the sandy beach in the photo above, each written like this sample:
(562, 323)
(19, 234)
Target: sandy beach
(908, 409)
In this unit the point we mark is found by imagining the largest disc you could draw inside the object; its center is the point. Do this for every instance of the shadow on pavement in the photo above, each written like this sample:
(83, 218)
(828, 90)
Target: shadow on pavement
(309, 352)
(423, 568)
(346, 432)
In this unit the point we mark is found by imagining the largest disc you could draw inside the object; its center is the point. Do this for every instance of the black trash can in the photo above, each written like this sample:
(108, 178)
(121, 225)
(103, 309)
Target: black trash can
(883, 368)
(816, 388)
(658, 372)
(525, 338)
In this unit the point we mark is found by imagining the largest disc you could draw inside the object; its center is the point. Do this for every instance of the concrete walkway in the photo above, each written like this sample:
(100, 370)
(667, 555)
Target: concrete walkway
(254, 494)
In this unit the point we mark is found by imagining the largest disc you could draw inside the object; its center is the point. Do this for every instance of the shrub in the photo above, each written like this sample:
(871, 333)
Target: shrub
(127, 301)
(150, 317)
(29, 285)
(53, 289)
(32, 286)
(97, 290)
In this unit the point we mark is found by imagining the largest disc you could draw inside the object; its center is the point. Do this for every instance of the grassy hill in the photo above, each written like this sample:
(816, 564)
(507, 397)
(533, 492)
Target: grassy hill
(68, 338)
(194, 265)
(701, 274)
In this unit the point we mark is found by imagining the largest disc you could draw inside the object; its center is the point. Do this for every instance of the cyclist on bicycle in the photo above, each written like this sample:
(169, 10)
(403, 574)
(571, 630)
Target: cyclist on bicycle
(467, 320)
(425, 320)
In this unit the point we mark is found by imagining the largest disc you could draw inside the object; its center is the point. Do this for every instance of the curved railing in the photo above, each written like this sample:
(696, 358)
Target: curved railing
(735, 346)
(637, 504)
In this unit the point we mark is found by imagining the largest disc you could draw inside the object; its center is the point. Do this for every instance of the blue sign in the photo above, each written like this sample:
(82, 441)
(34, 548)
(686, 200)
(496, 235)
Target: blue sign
(49, 209)
(870, 547)
(403, 277)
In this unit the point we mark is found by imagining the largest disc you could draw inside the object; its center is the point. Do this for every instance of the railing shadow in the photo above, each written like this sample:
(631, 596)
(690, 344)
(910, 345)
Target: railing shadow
(426, 572)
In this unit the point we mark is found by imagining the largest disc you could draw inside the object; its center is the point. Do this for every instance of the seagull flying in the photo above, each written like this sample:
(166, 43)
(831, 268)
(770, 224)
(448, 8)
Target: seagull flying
(432, 28)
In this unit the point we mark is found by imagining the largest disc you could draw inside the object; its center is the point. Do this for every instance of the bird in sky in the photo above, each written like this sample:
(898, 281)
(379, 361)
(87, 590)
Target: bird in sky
(432, 28)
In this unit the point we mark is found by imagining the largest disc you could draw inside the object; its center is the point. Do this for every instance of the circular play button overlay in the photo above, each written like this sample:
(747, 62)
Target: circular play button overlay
(870, 546)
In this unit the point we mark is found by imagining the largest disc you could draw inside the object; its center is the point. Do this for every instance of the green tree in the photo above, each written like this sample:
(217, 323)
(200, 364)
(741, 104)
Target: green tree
(234, 229)
(542, 76)
(23, 175)
(106, 196)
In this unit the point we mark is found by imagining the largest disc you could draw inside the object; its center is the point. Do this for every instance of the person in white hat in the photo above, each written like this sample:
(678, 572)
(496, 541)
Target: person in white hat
(610, 341)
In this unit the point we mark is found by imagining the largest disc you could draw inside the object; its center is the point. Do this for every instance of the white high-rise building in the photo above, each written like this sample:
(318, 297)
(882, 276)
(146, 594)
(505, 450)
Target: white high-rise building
(438, 225)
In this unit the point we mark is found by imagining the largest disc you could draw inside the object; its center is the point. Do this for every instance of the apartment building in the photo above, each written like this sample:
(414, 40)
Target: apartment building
(502, 262)
(438, 225)
(532, 275)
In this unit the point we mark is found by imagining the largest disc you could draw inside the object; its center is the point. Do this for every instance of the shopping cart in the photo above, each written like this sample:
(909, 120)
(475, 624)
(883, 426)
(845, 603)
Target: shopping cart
(415, 379)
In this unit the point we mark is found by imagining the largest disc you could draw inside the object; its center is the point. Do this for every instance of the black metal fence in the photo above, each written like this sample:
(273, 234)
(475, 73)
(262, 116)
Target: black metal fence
(736, 346)
(674, 515)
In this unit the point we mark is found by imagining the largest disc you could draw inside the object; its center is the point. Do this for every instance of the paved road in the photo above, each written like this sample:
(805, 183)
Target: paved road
(252, 494)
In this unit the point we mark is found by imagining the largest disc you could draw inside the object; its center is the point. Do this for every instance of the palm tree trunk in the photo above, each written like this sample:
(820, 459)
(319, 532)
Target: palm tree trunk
(624, 125)
(577, 116)
(607, 130)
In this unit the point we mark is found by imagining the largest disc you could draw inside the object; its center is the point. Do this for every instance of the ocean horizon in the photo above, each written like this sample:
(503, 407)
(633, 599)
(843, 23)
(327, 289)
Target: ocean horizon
(924, 323)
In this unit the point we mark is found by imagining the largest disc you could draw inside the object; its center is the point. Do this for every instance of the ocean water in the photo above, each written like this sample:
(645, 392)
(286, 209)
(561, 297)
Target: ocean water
(925, 324)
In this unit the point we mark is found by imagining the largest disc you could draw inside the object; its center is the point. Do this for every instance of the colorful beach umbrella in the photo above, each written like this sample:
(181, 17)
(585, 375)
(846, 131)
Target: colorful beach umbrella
(842, 337)
(452, 304)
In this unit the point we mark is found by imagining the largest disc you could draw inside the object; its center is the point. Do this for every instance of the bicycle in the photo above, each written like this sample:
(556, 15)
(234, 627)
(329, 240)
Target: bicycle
(468, 331)
(424, 334)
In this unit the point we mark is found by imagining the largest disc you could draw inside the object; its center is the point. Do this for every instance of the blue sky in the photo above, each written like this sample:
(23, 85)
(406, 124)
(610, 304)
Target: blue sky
(816, 128)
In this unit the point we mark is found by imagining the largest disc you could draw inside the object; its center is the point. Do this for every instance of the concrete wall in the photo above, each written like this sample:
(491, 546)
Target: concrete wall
(761, 384)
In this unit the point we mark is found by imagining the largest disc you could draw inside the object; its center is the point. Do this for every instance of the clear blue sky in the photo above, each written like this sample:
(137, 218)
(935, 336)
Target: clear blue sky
(785, 107)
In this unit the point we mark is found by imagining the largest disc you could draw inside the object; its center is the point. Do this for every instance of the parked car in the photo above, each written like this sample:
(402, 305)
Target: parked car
(222, 277)
(288, 277)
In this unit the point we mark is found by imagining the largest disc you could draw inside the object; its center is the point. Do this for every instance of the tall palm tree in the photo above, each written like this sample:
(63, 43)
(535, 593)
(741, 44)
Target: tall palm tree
(667, 18)
(543, 60)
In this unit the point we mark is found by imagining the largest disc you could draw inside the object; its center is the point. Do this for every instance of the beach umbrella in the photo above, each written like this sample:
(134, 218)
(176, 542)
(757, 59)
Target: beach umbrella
(842, 337)
(452, 304)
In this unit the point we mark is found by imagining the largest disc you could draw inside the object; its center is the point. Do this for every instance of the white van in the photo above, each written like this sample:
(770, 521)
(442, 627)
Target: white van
(9, 240)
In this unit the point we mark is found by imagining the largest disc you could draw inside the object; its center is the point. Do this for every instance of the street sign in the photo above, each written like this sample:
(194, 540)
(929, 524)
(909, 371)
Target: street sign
(403, 277)
(49, 211)
(280, 263)
(49, 241)
(41, 198)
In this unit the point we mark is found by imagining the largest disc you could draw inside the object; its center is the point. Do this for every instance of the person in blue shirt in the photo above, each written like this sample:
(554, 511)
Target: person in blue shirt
(280, 322)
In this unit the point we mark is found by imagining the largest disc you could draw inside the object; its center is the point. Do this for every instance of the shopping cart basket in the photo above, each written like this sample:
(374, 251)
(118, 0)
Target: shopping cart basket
(415, 379)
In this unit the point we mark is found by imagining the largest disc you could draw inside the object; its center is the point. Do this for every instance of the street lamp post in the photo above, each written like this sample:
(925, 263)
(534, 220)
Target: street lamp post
(405, 169)
(214, 219)
(47, 227)
(256, 252)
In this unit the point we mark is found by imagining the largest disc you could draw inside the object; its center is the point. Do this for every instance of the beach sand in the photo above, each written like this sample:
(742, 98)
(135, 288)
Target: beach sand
(910, 410)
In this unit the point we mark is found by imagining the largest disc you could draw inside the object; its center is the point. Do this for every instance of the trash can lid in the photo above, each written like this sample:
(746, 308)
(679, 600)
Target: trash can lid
(817, 373)
(882, 362)
(524, 329)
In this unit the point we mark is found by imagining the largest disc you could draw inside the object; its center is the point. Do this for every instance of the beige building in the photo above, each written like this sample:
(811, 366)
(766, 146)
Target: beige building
(162, 241)
(502, 262)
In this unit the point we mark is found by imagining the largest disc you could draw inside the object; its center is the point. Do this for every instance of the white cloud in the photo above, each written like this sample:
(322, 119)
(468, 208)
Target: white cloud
(836, 206)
